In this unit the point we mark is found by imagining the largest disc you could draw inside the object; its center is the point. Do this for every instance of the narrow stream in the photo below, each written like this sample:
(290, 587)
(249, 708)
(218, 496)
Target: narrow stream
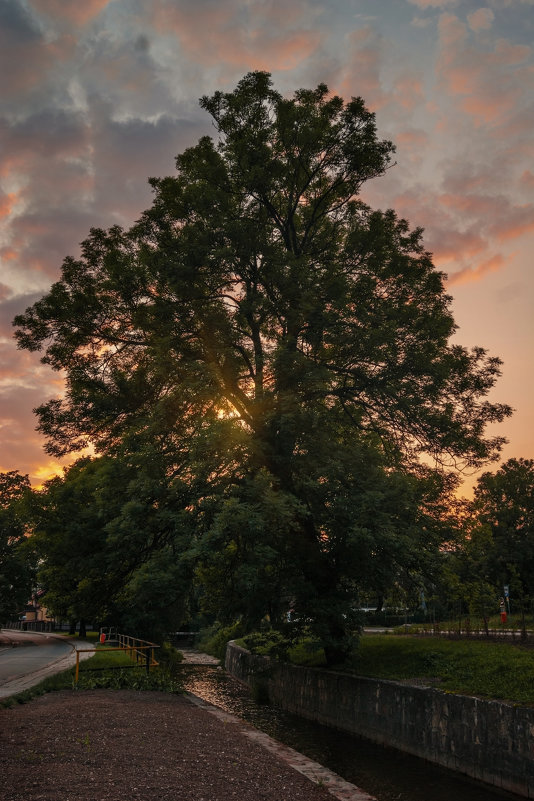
(383, 772)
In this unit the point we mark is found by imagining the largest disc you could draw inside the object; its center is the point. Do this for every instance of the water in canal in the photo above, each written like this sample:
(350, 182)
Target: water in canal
(383, 772)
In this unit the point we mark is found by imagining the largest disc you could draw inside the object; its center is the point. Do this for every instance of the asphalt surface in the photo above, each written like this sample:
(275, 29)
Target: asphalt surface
(28, 657)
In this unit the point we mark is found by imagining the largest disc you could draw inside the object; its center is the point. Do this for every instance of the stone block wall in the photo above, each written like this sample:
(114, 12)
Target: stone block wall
(487, 740)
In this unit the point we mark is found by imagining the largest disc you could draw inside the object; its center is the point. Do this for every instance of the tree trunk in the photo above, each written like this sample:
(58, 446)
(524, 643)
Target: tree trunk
(337, 649)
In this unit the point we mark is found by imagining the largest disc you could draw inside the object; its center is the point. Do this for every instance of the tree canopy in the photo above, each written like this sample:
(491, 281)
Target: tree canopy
(16, 571)
(109, 547)
(284, 349)
(504, 507)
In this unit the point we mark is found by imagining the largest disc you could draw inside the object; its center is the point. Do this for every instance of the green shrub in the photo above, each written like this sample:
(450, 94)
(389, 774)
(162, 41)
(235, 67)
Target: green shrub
(169, 657)
(274, 644)
(308, 653)
(268, 643)
(214, 639)
(132, 679)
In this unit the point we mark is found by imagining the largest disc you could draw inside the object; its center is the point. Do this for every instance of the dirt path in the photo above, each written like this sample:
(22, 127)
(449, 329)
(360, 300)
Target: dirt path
(108, 746)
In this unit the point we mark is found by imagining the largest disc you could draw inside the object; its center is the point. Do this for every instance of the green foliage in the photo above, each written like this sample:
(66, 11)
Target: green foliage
(504, 505)
(494, 546)
(303, 651)
(308, 653)
(17, 570)
(133, 679)
(107, 542)
(213, 640)
(169, 657)
(268, 643)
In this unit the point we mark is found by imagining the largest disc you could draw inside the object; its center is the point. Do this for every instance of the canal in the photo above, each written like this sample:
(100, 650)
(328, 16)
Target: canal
(383, 772)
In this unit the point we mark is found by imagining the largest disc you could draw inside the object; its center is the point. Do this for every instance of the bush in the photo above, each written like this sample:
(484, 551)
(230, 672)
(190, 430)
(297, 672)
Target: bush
(272, 643)
(169, 657)
(132, 679)
(308, 653)
(214, 639)
(268, 643)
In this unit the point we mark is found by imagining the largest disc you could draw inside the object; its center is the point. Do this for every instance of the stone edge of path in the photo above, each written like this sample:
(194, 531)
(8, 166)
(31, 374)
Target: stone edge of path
(334, 784)
(24, 681)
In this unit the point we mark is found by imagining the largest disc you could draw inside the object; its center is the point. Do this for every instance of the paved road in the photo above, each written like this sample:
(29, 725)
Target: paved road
(37, 656)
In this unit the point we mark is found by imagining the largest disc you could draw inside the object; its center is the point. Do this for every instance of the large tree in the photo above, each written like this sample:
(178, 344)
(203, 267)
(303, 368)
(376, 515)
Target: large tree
(261, 320)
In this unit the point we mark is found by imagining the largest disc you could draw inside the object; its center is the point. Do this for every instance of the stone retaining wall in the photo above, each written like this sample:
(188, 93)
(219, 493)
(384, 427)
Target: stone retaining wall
(488, 740)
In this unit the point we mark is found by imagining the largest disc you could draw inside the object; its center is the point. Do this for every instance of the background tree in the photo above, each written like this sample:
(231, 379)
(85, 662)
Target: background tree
(504, 505)
(260, 290)
(16, 571)
(103, 538)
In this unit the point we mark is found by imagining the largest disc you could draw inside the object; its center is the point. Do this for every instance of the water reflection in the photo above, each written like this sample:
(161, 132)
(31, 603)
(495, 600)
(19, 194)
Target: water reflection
(383, 772)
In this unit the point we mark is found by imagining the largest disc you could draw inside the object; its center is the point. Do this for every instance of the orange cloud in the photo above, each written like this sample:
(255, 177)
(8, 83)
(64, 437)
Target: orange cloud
(412, 144)
(408, 91)
(476, 273)
(496, 215)
(9, 254)
(79, 13)
(454, 245)
(433, 3)
(7, 202)
(481, 19)
(362, 73)
(484, 79)
(412, 138)
(527, 180)
(249, 37)
(519, 224)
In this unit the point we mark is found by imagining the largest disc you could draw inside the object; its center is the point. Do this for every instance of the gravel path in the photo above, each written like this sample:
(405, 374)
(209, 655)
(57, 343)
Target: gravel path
(109, 746)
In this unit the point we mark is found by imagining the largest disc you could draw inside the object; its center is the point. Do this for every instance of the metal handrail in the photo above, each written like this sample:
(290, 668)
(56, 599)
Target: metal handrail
(136, 651)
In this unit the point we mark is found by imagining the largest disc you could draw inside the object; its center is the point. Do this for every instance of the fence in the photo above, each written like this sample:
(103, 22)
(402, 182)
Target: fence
(141, 652)
(466, 630)
(29, 625)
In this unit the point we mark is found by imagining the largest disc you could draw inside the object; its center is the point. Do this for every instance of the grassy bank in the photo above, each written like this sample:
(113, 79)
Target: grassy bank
(492, 670)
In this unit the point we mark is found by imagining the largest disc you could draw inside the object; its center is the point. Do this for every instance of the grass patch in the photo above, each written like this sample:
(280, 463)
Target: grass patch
(105, 658)
(492, 670)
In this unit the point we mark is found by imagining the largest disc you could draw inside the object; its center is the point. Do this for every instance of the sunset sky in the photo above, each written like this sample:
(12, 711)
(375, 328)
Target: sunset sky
(98, 95)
